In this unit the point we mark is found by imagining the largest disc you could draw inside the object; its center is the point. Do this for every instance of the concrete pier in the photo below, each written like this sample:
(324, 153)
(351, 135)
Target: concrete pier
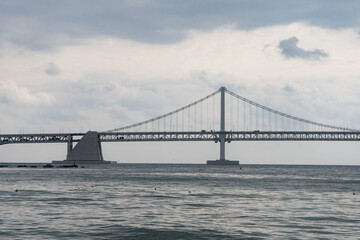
(222, 162)
(87, 151)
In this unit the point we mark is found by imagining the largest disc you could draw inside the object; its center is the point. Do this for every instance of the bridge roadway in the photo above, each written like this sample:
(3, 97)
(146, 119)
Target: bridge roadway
(40, 138)
(186, 136)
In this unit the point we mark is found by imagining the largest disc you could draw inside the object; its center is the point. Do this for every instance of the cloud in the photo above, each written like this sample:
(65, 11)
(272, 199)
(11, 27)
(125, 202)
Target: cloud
(288, 89)
(127, 81)
(52, 69)
(4, 99)
(290, 49)
(45, 25)
(11, 93)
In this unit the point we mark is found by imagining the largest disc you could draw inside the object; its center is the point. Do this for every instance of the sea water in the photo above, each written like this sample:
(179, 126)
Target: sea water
(153, 201)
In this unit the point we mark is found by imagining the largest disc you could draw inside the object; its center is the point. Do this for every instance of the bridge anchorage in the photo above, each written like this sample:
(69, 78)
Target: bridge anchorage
(203, 120)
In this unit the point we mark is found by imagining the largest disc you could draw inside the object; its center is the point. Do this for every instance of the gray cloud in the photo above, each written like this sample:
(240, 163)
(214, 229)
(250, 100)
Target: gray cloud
(290, 49)
(52, 69)
(288, 89)
(38, 24)
(4, 99)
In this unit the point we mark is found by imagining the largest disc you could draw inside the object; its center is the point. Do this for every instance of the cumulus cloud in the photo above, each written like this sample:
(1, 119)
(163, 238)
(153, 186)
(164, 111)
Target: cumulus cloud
(11, 93)
(290, 49)
(52, 69)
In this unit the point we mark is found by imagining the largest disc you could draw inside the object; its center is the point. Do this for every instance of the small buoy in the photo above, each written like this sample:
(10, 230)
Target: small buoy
(155, 188)
(16, 190)
(240, 169)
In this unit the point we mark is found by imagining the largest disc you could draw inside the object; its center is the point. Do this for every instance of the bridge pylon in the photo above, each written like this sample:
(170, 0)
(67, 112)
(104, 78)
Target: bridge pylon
(222, 135)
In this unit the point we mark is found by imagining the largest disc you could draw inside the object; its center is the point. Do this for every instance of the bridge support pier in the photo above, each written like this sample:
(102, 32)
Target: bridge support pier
(222, 135)
(222, 147)
(87, 151)
(69, 146)
(222, 160)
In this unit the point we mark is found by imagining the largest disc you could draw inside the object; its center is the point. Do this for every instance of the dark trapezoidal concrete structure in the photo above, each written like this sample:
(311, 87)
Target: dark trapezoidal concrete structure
(87, 151)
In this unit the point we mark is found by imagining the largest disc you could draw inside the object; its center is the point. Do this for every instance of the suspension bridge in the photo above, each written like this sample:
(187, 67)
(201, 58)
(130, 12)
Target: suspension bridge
(221, 117)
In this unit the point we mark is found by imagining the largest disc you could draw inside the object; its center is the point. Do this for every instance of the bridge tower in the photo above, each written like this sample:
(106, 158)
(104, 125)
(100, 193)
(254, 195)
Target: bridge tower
(222, 135)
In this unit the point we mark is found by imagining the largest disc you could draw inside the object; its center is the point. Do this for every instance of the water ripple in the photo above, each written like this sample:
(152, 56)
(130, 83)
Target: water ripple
(180, 202)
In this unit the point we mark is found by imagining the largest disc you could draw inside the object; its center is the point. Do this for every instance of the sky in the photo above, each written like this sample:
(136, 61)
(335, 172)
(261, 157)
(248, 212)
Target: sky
(74, 66)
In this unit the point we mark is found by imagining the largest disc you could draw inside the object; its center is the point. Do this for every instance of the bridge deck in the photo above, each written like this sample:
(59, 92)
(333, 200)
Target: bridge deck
(230, 136)
(40, 138)
(186, 136)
